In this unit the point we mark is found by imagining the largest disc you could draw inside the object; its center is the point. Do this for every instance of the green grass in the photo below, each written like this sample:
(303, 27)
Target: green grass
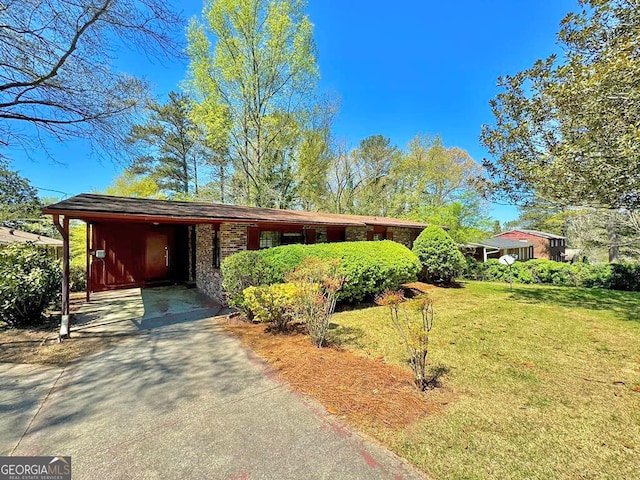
(543, 378)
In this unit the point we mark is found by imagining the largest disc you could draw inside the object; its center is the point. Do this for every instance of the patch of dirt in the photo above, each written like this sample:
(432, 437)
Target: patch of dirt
(365, 391)
(40, 345)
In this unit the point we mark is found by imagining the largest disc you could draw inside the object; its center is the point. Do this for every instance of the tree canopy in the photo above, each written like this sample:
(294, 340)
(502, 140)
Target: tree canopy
(566, 129)
(56, 66)
(253, 73)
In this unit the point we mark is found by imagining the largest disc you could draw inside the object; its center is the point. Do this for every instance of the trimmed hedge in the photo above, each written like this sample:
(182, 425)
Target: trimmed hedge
(370, 268)
(616, 276)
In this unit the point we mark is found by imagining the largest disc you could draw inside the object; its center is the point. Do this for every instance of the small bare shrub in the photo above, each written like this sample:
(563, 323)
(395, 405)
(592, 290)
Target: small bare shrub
(318, 284)
(414, 333)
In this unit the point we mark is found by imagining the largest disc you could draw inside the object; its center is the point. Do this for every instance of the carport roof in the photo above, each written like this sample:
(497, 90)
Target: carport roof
(501, 243)
(92, 207)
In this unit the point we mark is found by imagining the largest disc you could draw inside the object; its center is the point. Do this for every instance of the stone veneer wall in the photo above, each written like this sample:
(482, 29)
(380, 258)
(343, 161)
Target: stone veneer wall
(208, 278)
(356, 234)
(232, 238)
(402, 235)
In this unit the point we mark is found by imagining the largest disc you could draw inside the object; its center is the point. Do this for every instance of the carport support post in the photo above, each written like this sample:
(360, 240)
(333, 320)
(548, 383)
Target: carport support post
(64, 231)
(88, 270)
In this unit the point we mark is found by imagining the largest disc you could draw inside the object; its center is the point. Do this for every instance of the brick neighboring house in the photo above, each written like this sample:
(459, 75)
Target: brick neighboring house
(497, 247)
(134, 242)
(545, 245)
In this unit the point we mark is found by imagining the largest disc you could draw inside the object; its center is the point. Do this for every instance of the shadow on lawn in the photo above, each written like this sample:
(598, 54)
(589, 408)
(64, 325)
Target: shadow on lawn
(340, 335)
(626, 304)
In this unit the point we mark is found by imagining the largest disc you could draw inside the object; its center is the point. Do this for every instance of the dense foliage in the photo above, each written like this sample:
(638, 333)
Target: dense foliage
(566, 129)
(272, 304)
(370, 268)
(439, 255)
(30, 281)
(615, 276)
(242, 270)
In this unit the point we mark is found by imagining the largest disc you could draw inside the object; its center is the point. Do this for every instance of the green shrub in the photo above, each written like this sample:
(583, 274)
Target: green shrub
(273, 304)
(30, 281)
(369, 268)
(617, 276)
(625, 276)
(242, 270)
(77, 278)
(439, 255)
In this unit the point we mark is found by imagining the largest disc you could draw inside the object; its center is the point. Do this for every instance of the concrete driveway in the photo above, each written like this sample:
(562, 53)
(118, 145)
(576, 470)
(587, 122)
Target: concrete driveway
(183, 399)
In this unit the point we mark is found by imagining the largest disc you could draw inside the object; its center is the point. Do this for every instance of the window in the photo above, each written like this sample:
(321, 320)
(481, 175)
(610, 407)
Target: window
(269, 239)
(379, 236)
(215, 244)
(321, 236)
(289, 238)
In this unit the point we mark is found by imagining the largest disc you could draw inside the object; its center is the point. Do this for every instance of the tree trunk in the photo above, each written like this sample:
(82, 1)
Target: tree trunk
(612, 240)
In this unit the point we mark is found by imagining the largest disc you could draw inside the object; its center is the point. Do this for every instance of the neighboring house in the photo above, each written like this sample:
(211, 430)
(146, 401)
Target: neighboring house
(497, 247)
(12, 235)
(545, 245)
(133, 242)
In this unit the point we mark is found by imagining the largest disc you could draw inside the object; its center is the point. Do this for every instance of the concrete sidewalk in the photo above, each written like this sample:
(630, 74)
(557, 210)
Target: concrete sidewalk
(23, 389)
(186, 400)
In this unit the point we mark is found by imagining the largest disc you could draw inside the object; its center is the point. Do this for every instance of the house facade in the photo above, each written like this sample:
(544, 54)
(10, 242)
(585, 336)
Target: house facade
(545, 245)
(133, 242)
(495, 247)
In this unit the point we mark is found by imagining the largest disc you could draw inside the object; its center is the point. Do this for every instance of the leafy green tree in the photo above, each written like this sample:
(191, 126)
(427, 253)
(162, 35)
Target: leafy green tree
(543, 216)
(433, 175)
(18, 199)
(439, 255)
(170, 152)
(376, 157)
(466, 219)
(314, 156)
(253, 85)
(56, 75)
(566, 129)
(128, 184)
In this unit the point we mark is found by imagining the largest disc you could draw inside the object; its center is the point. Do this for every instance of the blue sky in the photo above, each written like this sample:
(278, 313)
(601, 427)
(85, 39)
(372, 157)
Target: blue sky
(401, 68)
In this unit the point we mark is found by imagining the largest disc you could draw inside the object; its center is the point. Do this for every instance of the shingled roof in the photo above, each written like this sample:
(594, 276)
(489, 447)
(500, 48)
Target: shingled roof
(11, 235)
(91, 207)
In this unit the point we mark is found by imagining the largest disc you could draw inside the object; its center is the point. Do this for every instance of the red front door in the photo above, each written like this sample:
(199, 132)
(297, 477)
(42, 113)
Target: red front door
(157, 256)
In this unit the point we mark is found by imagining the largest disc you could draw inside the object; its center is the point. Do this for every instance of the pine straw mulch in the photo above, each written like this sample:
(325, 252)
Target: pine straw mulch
(365, 391)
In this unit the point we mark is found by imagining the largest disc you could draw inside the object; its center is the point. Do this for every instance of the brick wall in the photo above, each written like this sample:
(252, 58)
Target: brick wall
(356, 234)
(233, 238)
(402, 235)
(541, 245)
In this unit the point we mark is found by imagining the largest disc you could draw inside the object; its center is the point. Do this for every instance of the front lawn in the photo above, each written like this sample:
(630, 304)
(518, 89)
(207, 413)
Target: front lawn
(546, 382)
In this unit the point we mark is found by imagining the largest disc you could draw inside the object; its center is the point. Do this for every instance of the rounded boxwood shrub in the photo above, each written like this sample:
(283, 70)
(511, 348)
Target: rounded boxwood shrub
(439, 255)
(370, 268)
(30, 281)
